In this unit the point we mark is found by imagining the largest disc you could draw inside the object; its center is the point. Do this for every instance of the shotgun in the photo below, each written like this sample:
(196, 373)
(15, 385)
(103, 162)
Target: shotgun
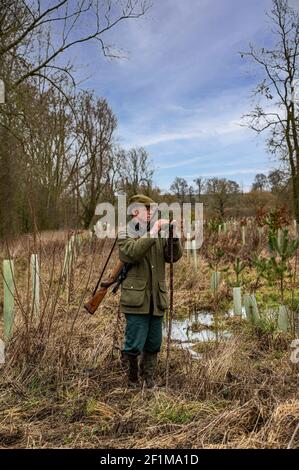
(98, 295)
(116, 277)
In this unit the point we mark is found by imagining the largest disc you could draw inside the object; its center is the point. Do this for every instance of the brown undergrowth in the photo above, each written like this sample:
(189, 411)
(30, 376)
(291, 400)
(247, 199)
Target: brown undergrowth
(63, 386)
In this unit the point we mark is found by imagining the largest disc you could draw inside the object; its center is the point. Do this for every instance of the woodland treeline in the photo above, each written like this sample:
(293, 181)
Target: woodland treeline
(59, 155)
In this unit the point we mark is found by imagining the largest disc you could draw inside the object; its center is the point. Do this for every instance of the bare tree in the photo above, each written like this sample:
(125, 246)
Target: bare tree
(45, 143)
(42, 125)
(136, 171)
(180, 188)
(277, 114)
(191, 193)
(260, 182)
(200, 184)
(278, 181)
(221, 192)
(35, 33)
(94, 133)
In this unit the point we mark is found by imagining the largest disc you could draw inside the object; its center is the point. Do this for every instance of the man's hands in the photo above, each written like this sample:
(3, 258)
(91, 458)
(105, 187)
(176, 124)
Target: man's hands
(158, 225)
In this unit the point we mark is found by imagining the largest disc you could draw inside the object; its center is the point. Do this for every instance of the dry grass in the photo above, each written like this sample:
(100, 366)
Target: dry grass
(63, 385)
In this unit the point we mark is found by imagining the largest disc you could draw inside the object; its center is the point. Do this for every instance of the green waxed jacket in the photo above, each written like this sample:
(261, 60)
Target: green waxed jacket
(146, 277)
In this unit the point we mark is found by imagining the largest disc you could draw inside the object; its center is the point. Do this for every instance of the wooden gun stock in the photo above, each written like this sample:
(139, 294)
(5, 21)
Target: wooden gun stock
(95, 301)
(92, 305)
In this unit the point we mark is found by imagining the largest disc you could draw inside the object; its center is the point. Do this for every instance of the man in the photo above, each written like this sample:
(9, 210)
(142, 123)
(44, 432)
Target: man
(144, 296)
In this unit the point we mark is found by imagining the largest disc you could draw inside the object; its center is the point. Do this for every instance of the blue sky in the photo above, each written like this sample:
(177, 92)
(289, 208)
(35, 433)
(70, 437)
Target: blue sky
(183, 87)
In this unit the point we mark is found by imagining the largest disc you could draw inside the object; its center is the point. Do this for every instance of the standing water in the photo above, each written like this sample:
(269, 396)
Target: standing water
(185, 334)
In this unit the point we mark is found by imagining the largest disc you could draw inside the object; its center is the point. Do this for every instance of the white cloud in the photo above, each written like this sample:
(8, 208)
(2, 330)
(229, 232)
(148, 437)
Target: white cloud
(220, 173)
(218, 117)
(184, 89)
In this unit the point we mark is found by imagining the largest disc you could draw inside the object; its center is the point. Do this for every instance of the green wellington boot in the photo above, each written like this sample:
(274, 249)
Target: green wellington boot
(130, 362)
(148, 365)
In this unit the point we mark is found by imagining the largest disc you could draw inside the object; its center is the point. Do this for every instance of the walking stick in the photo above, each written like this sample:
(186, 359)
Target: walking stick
(170, 313)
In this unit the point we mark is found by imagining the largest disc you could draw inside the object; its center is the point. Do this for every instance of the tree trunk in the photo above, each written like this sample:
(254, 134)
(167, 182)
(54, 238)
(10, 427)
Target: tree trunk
(295, 184)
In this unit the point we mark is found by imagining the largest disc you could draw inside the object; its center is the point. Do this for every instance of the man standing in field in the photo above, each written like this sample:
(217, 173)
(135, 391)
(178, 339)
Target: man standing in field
(144, 297)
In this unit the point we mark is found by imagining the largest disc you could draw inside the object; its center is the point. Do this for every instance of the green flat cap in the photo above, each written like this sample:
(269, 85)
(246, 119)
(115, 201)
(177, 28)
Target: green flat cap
(141, 199)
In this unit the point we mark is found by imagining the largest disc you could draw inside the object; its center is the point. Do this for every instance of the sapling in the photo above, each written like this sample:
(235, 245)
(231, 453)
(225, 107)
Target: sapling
(213, 224)
(214, 257)
(276, 268)
(238, 267)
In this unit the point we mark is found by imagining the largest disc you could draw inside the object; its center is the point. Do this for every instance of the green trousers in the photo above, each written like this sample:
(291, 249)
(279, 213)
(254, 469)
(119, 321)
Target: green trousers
(143, 333)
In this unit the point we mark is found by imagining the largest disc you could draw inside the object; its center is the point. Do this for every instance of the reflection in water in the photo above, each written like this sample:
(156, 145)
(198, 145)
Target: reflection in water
(182, 334)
